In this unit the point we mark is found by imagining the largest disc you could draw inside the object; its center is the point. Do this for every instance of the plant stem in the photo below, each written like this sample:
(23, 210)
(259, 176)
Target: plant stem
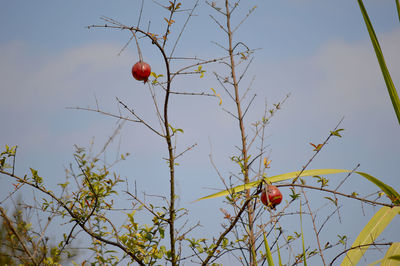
(245, 169)
(171, 164)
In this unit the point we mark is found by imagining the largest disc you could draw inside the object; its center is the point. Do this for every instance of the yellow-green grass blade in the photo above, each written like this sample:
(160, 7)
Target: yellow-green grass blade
(268, 251)
(390, 192)
(398, 8)
(302, 237)
(279, 254)
(273, 179)
(378, 51)
(392, 255)
(370, 233)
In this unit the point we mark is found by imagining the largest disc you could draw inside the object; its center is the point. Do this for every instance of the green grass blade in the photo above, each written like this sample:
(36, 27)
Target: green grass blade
(302, 237)
(385, 72)
(398, 8)
(390, 192)
(273, 179)
(391, 256)
(268, 251)
(369, 234)
(279, 254)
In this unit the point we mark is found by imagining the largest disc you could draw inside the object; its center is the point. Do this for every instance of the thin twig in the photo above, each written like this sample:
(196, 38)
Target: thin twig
(338, 193)
(247, 108)
(137, 117)
(244, 19)
(316, 152)
(321, 254)
(183, 28)
(359, 246)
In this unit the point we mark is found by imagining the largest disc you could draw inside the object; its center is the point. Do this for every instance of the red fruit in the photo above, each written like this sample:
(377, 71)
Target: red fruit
(141, 71)
(274, 196)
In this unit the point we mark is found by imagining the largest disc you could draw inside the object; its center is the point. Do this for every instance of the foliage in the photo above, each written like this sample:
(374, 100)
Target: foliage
(20, 243)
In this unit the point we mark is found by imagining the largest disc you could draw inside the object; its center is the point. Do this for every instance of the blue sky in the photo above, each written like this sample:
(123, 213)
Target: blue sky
(319, 51)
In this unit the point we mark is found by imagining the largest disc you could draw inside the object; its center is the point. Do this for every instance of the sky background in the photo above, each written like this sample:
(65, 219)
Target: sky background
(318, 51)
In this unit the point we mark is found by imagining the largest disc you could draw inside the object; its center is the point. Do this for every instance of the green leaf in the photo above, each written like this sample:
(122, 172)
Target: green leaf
(336, 132)
(294, 195)
(36, 178)
(174, 130)
(392, 194)
(369, 234)
(333, 201)
(392, 256)
(378, 51)
(268, 251)
(342, 239)
(275, 178)
(398, 8)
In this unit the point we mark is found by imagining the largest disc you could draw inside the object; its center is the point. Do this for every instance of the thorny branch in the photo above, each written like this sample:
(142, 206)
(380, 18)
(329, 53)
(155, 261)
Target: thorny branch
(74, 216)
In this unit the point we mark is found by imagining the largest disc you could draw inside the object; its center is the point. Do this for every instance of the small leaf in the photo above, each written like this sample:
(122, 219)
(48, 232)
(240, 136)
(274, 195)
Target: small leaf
(294, 195)
(267, 163)
(342, 240)
(336, 132)
(354, 194)
(334, 201)
(316, 147)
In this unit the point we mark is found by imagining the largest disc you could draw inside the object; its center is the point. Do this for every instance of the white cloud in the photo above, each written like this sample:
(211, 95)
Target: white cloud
(342, 77)
(351, 75)
(31, 82)
(35, 91)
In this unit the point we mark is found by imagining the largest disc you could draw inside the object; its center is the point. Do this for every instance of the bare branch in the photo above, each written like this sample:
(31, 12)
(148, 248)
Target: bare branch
(219, 24)
(338, 193)
(359, 247)
(245, 70)
(223, 86)
(183, 28)
(234, 116)
(104, 113)
(321, 254)
(316, 152)
(140, 120)
(244, 19)
(188, 149)
(213, 5)
(247, 108)
(193, 93)
(140, 14)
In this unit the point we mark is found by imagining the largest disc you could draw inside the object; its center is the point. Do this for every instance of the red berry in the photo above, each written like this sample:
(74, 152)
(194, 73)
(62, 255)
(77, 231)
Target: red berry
(141, 71)
(274, 196)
